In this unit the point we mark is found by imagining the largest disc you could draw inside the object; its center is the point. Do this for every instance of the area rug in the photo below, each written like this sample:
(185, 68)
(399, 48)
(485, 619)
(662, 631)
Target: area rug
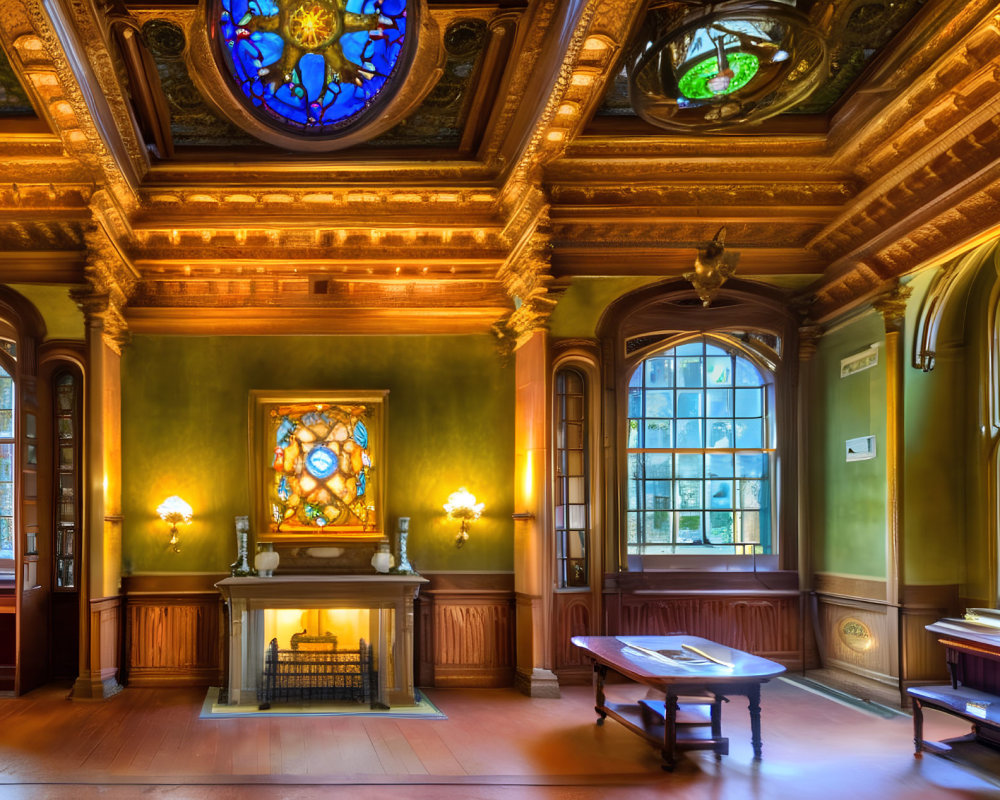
(422, 709)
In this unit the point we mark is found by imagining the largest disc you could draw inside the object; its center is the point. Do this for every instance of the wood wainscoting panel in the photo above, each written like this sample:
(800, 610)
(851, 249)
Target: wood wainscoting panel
(467, 621)
(574, 616)
(856, 586)
(859, 637)
(768, 624)
(923, 656)
(173, 631)
(105, 641)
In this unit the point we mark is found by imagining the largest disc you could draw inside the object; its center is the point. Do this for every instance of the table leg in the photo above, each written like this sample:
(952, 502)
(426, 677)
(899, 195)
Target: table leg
(600, 673)
(918, 728)
(670, 731)
(753, 696)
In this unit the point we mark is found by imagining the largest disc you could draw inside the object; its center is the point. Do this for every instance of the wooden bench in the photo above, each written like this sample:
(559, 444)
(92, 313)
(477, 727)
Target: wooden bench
(981, 709)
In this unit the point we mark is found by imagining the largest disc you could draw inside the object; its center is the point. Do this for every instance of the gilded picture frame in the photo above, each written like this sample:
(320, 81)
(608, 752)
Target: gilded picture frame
(317, 465)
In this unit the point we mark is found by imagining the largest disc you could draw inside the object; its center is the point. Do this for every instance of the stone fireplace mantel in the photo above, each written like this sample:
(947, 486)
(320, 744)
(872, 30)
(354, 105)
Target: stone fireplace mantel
(390, 596)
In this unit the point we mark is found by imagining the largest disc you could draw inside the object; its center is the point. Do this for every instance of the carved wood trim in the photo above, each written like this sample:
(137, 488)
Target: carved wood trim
(853, 586)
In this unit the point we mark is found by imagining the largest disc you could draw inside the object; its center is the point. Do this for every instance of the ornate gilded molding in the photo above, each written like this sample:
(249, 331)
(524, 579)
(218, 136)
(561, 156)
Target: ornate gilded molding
(423, 73)
(944, 289)
(111, 279)
(525, 278)
(892, 307)
(51, 69)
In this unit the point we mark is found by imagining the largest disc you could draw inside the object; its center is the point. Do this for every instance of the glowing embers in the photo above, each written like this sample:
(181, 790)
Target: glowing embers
(737, 64)
(312, 65)
(319, 473)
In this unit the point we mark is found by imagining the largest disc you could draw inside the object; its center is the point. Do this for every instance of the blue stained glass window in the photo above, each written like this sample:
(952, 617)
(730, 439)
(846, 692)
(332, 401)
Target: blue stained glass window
(312, 66)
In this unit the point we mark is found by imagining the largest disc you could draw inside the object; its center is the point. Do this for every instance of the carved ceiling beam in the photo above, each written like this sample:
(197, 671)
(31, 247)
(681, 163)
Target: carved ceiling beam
(46, 266)
(111, 278)
(405, 268)
(935, 55)
(799, 266)
(47, 53)
(313, 321)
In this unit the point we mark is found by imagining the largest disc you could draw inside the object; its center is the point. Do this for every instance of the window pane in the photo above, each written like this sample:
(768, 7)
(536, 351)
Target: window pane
(632, 527)
(720, 433)
(657, 526)
(575, 491)
(689, 494)
(690, 371)
(719, 403)
(690, 349)
(659, 433)
(749, 522)
(747, 374)
(577, 517)
(689, 404)
(748, 402)
(632, 495)
(721, 494)
(659, 403)
(750, 493)
(689, 465)
(720, 527)
(658, 494)
(748, 433)
(720, 465)
(635, 403)
(574, 462)
(689, 433)
(718, 371)
(633, 434)
(636, 378)
(689, 527)
(750, 465)
(659, 372)
(658, 465)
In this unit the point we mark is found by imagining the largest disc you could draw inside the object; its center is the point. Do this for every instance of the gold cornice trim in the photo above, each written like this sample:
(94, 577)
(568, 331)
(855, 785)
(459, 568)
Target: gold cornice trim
(318, 322)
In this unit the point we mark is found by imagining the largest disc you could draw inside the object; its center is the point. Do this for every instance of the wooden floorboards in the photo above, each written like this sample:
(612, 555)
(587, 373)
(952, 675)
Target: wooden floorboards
(495, 744)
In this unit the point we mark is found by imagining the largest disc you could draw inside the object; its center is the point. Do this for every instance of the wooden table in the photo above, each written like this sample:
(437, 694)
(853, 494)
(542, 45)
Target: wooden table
(695, 675)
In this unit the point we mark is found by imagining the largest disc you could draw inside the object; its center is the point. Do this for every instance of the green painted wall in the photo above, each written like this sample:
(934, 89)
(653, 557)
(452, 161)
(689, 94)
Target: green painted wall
(847, 499)
(185, 417)
(580, 307)
(934, 477)
(63, 318)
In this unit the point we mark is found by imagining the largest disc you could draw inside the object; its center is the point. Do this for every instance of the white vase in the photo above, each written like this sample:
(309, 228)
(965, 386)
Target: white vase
(266, 561)
(382, 560)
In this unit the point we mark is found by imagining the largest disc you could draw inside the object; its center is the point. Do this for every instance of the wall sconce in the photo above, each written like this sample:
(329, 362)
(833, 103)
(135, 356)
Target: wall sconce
(174, 510)
(462, 506)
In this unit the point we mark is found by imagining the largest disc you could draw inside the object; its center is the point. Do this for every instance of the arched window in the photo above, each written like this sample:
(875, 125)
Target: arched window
(8, 466)
(700, 451)
(572, 479)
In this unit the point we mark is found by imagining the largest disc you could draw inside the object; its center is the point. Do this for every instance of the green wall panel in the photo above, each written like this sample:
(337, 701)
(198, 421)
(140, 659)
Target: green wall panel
(63, 318)
(581, 305)
(933, 494)
(848, 499)
(185, 418)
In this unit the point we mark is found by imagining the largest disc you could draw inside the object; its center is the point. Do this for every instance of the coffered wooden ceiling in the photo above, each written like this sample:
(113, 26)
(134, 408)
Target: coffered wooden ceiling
(522, 170)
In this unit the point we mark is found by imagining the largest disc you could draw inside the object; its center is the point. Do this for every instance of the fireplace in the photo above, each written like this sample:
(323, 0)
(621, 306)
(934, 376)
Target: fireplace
(262, 609)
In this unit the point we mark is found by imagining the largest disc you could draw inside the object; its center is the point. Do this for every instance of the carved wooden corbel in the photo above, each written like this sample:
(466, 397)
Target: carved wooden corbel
(892, 307)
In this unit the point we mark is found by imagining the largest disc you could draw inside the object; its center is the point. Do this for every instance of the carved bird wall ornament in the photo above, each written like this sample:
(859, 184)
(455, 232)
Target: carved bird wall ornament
(713, 266)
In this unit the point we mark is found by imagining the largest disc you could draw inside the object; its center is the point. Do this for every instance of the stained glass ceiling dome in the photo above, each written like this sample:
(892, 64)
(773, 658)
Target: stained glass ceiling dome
(724, 66)
(316, 74)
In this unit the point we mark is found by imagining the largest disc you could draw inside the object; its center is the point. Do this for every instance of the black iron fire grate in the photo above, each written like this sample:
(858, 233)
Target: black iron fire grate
(318, 671)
